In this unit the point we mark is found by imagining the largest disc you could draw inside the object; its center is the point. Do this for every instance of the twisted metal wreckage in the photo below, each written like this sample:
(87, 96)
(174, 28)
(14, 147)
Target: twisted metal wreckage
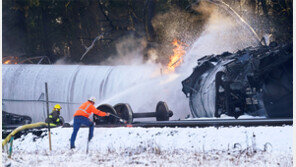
(257, 81)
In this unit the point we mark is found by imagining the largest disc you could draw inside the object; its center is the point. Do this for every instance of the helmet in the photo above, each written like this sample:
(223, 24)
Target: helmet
(57, 107)
(92, 99)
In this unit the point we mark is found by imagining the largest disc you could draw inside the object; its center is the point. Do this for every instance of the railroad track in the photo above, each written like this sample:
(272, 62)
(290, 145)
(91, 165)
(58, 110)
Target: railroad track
(205, 123)
(196, 123)
(218, 123)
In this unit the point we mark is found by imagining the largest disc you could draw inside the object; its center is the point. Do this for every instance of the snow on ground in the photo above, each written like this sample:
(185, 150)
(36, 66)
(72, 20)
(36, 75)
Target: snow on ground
(234, 146)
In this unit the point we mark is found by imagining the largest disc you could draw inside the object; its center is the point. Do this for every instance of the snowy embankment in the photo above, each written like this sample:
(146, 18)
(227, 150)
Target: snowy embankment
(254, 146)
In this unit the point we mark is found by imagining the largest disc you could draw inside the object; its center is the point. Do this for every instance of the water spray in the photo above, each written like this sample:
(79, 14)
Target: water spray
(235, 15)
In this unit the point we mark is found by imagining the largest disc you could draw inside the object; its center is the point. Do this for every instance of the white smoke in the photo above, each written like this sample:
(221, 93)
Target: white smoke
(222, 33)
(130, 51)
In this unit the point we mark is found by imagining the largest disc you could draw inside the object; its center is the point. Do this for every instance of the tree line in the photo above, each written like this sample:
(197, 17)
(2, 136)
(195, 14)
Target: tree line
(65, 29)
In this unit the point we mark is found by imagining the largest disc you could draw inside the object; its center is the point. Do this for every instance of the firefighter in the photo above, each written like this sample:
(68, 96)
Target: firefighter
(54, 118)
(82, 117)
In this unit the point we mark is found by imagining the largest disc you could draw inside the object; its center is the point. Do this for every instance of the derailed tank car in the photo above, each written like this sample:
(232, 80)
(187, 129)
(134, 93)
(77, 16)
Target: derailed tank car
(256, 81)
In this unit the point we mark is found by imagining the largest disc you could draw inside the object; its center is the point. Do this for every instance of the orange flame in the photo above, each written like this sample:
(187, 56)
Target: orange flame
(10, 60)
(7, 62)
(177, 58)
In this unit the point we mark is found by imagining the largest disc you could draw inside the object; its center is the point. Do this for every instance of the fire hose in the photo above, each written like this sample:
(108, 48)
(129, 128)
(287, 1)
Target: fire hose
(10, 137)
(29, 126)
(120, 119)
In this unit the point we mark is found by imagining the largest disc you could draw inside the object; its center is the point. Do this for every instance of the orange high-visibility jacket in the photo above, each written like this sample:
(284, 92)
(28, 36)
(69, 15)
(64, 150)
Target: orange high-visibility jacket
(87, 108)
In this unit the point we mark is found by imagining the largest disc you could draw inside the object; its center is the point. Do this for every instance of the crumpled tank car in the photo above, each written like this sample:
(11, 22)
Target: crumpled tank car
(257, 81)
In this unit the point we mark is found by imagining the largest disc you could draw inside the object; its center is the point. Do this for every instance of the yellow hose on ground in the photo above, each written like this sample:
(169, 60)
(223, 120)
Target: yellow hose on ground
(38, 124)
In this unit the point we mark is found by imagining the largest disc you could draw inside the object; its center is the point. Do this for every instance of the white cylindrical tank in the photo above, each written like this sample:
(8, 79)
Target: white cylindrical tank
(23, 89)
(24, 86)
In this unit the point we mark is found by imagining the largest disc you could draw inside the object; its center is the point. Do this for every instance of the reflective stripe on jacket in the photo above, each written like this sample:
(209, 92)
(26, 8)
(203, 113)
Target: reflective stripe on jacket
(54, 118)
(87, 108)
(52, 124)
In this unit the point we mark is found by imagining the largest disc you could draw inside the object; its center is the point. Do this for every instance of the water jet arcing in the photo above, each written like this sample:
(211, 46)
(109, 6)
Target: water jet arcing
(235, 15)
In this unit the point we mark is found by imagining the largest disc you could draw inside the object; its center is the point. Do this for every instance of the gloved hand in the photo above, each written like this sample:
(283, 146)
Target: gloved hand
(107, 114)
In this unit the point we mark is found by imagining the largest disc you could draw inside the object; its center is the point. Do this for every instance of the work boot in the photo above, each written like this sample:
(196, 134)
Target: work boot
(89, 139)
(71, 147)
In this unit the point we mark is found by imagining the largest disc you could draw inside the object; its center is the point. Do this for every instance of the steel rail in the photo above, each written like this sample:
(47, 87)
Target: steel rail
(217, 123)
(194, 123)
(206, 123)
